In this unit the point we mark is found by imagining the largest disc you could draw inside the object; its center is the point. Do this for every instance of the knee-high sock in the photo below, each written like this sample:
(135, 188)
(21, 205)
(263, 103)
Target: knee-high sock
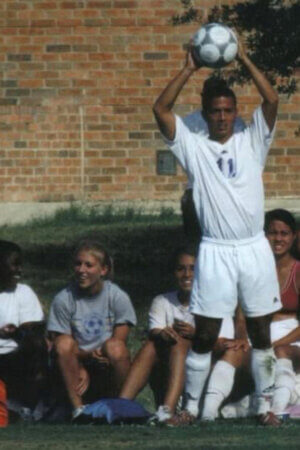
(285, 380)
(219, 387)
(263, 371)
(197, 370)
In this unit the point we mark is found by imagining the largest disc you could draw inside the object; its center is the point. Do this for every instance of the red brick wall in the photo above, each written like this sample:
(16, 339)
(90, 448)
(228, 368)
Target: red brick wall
(78, 79)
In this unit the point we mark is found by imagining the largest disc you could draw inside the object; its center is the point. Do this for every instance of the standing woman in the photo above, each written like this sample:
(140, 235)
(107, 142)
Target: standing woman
(280, 227)
(89, 322)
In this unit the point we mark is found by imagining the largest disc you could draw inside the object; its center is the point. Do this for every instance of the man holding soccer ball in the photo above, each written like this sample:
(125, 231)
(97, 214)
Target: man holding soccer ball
(234, 260)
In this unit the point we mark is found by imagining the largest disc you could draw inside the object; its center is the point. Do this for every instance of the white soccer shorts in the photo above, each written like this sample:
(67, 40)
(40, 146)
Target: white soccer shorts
(227, 328)
(226, 271)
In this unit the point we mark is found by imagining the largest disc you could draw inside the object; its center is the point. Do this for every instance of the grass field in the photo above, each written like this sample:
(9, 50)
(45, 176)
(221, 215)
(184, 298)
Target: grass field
(141, 247)
(230, 435)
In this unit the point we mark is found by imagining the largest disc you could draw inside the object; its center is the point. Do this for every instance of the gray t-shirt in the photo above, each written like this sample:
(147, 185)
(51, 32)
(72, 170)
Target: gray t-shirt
(90, 320)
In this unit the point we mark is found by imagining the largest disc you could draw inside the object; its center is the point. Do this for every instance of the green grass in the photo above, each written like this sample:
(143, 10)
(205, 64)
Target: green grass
(243, 434)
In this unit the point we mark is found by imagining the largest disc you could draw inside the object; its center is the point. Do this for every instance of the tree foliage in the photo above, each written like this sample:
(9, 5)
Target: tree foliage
(272, 33)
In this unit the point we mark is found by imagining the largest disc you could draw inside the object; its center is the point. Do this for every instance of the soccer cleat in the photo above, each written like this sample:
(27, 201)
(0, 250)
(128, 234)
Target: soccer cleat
(180, 419)
(268, 420)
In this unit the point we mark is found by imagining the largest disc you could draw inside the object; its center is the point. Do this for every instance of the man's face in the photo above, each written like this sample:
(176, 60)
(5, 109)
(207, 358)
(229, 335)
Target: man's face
(220, 118)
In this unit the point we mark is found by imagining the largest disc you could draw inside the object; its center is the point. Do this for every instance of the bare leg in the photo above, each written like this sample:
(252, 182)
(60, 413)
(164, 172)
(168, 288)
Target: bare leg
(139, 371)
(67, 353)
(117, 353)
(176, 375)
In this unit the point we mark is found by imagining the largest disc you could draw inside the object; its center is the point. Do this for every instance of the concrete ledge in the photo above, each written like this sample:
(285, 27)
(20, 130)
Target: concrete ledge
(19, 213)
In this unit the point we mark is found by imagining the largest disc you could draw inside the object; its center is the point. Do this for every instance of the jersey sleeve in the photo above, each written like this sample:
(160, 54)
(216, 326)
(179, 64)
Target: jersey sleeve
(261, 136)
(181, 147)
(60, 316)
(123, 310)
(157, 314)
(30, 307)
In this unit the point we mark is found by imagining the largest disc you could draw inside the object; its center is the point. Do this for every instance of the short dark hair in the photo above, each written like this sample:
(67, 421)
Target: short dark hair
(283, 216)
(185, 249)
(7, 248)
(215, 87)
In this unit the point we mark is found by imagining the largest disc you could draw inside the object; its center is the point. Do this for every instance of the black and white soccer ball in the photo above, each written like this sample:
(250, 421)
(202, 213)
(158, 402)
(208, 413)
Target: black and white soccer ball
(214, 45)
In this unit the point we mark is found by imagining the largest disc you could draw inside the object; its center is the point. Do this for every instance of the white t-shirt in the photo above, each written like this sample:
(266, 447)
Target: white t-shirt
(17, 307)
(226, 178)
(165, 308)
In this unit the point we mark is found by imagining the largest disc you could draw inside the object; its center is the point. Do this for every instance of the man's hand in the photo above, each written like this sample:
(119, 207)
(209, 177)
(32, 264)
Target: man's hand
(184, 329)
(242, 53)
(190, 62)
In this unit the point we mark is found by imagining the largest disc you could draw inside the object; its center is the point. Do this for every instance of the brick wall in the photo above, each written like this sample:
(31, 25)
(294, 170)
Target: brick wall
(78, 79)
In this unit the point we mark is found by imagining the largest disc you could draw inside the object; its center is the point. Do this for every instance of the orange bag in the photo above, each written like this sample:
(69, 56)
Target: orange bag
(3, 406)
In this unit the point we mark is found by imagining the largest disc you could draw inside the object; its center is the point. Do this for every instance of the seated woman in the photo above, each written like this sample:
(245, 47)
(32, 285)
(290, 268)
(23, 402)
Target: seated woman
(89, 323)
(23, 348)
(280, 229)
(171, 329)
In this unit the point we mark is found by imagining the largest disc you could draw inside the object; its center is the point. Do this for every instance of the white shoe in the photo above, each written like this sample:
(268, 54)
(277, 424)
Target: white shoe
(26, 414)
(78, 416)
(162, 415)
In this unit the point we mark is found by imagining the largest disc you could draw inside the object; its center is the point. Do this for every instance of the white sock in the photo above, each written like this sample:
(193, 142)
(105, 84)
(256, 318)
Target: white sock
(295, 397)
(284, 384)
(197, 369)
(263, 371)
(219, 387)
(241, 408)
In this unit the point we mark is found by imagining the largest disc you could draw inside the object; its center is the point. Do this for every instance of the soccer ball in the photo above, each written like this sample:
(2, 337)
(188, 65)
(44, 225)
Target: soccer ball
(214, 45)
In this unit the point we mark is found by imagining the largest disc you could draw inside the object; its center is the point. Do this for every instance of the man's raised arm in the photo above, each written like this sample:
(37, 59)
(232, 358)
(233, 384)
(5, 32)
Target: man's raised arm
(268, 93)
(163, 106)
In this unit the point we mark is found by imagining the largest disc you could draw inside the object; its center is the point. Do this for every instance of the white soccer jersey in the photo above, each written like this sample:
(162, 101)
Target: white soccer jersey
(226, 178)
